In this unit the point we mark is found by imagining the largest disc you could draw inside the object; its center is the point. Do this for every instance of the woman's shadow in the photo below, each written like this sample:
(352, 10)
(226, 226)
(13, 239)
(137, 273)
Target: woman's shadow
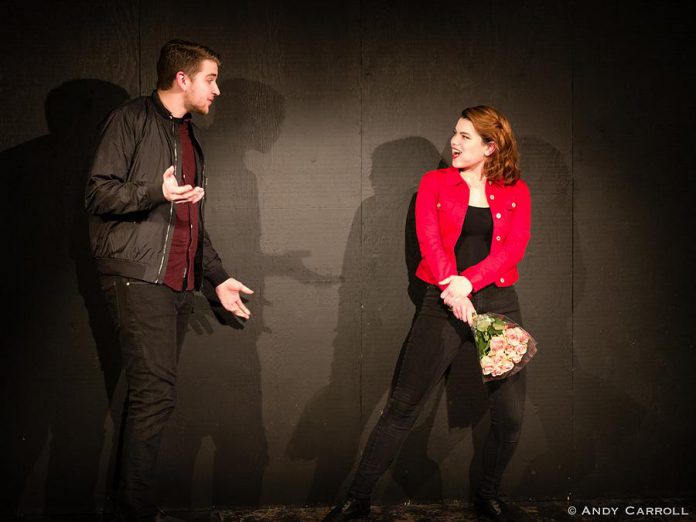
(575, 451)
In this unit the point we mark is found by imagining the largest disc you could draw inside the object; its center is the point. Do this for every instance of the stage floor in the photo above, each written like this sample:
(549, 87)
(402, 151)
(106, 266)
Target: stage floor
(653, 510)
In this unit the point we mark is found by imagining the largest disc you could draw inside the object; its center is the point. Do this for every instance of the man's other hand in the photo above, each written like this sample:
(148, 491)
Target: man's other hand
(228, 293)
(179, 194)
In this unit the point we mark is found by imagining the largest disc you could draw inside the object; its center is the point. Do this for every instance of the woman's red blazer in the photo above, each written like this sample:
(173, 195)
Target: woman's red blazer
(441, 204)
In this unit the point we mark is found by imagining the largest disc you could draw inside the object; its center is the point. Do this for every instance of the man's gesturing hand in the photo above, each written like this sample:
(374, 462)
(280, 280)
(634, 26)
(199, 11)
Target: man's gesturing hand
(173, 192)
(228, 293)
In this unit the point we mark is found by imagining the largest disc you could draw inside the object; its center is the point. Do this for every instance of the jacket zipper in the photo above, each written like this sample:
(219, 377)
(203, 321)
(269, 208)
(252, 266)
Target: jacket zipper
(171, 211)
(201, 209)
(200, 214)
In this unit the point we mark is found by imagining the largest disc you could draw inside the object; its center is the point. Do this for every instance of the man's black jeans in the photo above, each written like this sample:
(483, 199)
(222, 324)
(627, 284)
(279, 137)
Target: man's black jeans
(434, 341)
(150, 321)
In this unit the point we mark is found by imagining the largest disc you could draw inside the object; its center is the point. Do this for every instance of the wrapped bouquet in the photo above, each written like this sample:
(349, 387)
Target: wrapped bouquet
(504, 347)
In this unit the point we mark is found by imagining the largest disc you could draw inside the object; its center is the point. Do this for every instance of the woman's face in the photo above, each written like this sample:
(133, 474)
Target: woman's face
(468, 148)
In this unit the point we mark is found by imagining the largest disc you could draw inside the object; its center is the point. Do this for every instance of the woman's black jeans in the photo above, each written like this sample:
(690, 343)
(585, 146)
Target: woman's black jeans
(434, 341)
(151, 321)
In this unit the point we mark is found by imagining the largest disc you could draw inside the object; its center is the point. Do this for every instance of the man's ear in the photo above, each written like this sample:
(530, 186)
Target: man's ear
(181, 80)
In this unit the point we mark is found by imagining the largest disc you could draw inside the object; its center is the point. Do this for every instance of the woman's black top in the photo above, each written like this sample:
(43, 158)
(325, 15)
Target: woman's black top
(474, 243)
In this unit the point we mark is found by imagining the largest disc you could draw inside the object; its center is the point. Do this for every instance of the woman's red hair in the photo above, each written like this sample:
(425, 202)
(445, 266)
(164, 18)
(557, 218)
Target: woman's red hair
(503, 164)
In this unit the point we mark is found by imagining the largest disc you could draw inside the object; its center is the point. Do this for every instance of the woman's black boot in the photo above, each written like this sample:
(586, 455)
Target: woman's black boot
(351, 509)
(492, 509)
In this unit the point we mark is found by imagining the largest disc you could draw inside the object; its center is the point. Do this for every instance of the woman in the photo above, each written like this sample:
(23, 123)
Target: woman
(472, 222)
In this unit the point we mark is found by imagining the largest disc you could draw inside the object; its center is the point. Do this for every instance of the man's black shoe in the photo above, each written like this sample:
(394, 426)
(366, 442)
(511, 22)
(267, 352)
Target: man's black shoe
(493, 509)
(351, 509)
(163, 517)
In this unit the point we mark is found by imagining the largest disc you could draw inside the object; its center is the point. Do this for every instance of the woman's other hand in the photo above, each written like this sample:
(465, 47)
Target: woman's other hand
(456, 297)
(459, 286)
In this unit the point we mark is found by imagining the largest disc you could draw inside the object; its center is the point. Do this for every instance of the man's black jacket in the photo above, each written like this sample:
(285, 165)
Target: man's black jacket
(132, 224)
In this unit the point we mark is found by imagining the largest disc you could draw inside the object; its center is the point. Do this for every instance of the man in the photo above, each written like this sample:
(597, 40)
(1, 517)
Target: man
(146, 192)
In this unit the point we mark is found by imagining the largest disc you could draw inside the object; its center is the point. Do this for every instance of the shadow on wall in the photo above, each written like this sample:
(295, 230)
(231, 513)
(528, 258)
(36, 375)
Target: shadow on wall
(373, 312)
(248, 117)
(576, 451)
(53, 382)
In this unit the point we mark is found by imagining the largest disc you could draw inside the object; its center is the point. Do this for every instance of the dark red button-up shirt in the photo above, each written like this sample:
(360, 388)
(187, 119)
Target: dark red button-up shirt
(180, 266)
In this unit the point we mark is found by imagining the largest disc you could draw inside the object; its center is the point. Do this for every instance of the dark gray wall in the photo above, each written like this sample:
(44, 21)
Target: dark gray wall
(330, 114)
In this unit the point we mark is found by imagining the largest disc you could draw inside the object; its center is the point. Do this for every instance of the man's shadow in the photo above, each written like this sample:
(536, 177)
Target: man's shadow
(51, 375)
(229, 431)
(378, 274)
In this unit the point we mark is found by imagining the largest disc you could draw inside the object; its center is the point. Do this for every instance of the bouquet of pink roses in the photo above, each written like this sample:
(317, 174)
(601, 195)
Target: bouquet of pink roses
(504, 347)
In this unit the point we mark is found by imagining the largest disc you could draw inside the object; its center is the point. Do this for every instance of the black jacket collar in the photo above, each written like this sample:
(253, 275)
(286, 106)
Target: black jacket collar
(164, 112)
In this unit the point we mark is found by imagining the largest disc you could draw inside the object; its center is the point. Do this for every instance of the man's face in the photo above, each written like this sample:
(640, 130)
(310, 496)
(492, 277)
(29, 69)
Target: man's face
(202, 88)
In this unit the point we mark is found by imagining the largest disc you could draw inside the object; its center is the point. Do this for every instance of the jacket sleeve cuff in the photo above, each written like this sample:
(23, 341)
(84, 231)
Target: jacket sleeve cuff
(443, 287)
(155, 194)
(217, 276)
(474, 278)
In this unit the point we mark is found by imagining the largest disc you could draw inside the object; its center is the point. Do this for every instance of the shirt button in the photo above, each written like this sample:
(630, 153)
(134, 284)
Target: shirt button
(497, 238)
(514, 205)
(502, 280)
(492, 196)
(498, 215)
(438, 205)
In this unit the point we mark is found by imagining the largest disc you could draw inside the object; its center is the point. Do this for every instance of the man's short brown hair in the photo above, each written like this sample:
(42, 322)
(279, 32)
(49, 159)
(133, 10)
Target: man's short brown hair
(180, 55)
